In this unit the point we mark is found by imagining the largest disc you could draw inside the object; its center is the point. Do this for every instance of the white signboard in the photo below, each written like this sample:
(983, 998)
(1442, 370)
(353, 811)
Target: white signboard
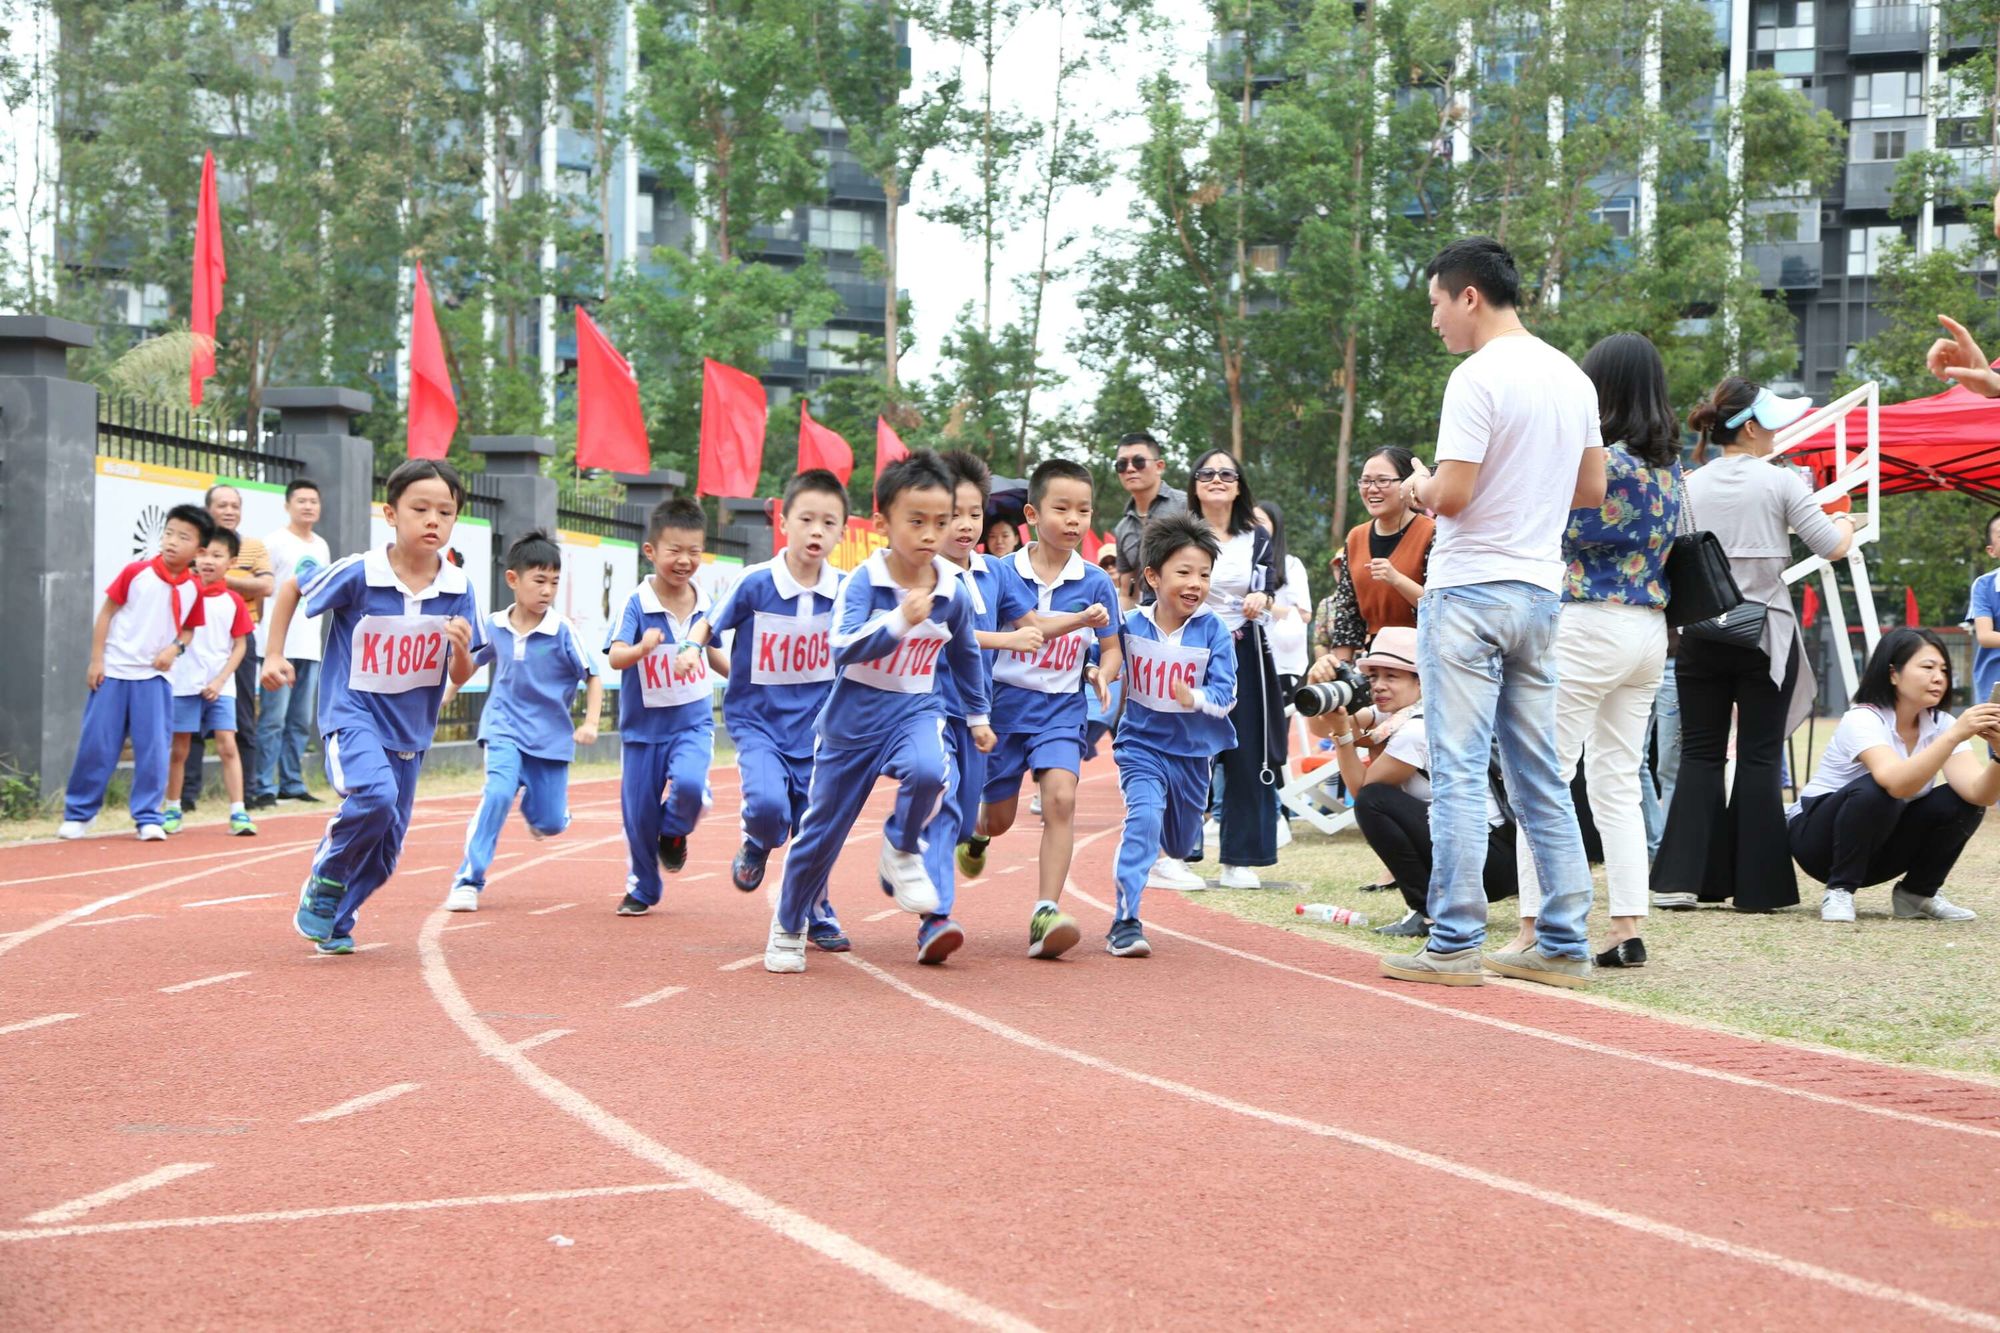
(598, 574)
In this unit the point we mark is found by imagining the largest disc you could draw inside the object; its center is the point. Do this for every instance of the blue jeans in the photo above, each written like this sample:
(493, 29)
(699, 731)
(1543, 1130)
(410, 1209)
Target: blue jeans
(1486, 655)
(1666, 767)
(284, 720)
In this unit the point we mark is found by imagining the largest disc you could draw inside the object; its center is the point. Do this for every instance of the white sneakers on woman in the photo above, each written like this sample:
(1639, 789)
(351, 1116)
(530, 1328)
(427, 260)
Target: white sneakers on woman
(1838, 907)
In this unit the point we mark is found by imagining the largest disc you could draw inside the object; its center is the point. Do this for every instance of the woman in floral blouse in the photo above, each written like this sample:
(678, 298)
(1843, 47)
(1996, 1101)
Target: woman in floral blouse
(1611, 648)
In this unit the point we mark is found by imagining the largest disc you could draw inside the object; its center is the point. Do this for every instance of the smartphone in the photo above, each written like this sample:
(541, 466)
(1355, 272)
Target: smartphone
(1993, 695)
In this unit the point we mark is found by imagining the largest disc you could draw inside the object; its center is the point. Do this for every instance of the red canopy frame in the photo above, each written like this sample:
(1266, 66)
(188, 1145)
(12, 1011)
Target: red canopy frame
(1947, 442)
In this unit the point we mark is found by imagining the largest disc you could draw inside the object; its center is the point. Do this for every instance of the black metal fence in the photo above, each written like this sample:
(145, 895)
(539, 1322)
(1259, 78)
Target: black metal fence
(598, 516)
(480, 501)
(142, 432)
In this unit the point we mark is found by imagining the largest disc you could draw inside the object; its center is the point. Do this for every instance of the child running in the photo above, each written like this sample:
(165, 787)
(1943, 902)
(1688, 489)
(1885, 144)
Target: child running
(397, 621)
(1038, 706)
(204, 681)
(525, 727)
(902, 610)
(666, 718)
(1179, 687)
(148, 618)
(780, 672)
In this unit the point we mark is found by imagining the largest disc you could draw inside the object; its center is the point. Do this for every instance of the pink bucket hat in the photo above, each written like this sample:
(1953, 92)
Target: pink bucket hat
(1394, 647)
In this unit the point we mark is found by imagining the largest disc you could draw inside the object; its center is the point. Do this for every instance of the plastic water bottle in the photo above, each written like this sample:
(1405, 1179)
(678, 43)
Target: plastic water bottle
(1331, 915)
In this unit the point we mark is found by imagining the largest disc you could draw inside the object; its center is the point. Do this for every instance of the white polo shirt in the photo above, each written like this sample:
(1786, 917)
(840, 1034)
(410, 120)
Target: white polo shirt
(154, 605)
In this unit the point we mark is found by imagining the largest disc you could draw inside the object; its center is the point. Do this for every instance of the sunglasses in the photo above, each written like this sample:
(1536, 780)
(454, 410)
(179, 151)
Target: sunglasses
(1133, 464)
(1216, 474)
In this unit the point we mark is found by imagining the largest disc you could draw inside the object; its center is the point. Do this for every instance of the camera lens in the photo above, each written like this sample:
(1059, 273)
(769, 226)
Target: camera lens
(1312, 700)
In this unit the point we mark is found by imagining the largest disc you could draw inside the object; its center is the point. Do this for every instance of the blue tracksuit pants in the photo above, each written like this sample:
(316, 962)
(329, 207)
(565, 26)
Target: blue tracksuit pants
(544, 788)
(775, 786)
(358, 854)
(141, 709)
(958, 812)
(1165, 795)
(913, 753)
(663, 786)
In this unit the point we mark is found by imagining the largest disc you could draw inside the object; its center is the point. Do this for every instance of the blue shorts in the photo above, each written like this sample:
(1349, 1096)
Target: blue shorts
(194, 715)
(1018, 752)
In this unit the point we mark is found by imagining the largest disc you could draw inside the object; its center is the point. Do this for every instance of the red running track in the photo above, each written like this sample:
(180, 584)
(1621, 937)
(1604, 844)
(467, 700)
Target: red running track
(206, 1125)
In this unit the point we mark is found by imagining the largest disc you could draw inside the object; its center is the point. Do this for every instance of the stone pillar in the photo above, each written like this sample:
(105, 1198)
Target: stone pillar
(745, 530)
(48, 601)
(643, 490)
(527, 499)
(317, 424)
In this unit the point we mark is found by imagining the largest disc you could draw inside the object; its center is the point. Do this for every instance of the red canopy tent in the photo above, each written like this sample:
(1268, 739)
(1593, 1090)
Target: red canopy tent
(1947, 442)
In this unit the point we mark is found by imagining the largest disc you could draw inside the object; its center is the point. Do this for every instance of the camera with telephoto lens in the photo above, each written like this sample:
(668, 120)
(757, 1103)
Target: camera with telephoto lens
(1346, 686)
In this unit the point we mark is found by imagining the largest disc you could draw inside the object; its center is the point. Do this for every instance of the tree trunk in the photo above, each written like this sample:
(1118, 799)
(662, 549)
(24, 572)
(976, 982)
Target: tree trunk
(600, 77)
(986, 170)
(1234, 370)
(892, 194)
(1049, 181)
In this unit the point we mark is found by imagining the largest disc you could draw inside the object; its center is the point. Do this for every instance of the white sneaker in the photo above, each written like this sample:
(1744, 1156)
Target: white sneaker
(72, 829)
(1211, 834)
(1035, 804)
(1909, 907)
(1838, 905)
(1170, 872)
(1240, 877)
(152, 833)
(908, 882)
(462, 898)
(1284, 831)
(785, 951)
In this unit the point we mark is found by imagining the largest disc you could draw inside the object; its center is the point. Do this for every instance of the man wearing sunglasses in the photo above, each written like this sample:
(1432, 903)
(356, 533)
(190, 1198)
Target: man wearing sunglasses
(1141, 471)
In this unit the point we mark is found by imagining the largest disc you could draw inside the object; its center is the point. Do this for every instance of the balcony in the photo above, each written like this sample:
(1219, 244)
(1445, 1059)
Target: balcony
(1787, 266)
(860, 301)
(1225, 60)
(847, 183)
(1871, 184)
(1890, 29)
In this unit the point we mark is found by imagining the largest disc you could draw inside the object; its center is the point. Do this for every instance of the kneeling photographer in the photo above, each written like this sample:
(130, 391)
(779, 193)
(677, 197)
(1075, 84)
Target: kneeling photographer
(1392, 787)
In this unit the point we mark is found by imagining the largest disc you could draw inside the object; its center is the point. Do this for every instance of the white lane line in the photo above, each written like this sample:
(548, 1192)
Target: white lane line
(41, 1022)
(361, 1103)
(665, 993)
(422, 870)
(506, 856)
(882, 916)
(101, 921)
(239, 898)
(544, 911)
(541, 1038)
(152, 1180)
(696, 879)
(787, 1222)
(143, 865)
(469, 925)
(741, 963)
(1574, 1043)
(1645, 1226)
(342, 1210)
(1010, 870)
(204, 981)
(359, 948)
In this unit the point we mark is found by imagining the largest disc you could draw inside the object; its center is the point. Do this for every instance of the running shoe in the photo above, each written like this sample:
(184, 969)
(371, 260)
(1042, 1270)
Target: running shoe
(972, 857)
(240, 825)
(170, 819)
(1837, 906)
(338, 944)
(1912, 906)
(904, 878)
(1170, 872)
(1127, 940)
(319, 899)
(72, 829)
(1676, 902)
(152, 833)
(462, 898)
(673, 853)
(828, 937)
(633, 907)
(938, 938)
(1240, 877)
(1051, 932)
(746, 872)
(1035, 804)
(785, 950)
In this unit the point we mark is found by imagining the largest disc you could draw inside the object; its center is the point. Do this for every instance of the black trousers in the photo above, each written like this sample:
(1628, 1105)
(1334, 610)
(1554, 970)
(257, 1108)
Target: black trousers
(1250, 801)
(1398, 828)
(1861, 835)
(1721, 847)
(246, 731)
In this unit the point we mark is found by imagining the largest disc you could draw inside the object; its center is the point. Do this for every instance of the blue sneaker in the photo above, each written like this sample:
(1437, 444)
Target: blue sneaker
(828, 937)
(170, 819)
(338, 944)
(746, 872)
(318, 901)
(1127, 940)
(938, 938)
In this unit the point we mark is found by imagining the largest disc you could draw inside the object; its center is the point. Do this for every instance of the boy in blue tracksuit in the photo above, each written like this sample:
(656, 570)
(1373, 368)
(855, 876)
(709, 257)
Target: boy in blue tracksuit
(901, 614)
(397, 621)
(525, 727)
(1038, 708)
(666, 717)
(780, 672)
(1180, 683)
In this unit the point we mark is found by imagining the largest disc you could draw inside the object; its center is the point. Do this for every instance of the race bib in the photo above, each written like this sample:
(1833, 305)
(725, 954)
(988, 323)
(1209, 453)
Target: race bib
(661, 686)
(1054, 668)
(912, 667)
(1153, 669)
(396, 654)
(791, 650)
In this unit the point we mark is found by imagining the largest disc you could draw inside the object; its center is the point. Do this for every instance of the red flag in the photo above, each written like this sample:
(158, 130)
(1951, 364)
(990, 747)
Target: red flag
(1091, 543)
(820, 447)
(610, 427)
(888, 445)
(1809, 607)
(433, 416)
(733, 412)
(210, 272)
(1910, 617)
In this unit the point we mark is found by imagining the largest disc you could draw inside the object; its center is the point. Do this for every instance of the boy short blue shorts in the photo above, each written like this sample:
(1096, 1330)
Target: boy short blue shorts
(194, 715)
(1018, 752)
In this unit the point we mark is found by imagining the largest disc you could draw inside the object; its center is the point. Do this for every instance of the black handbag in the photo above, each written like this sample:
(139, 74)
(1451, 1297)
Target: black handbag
(1741, 626)
(1700, 585)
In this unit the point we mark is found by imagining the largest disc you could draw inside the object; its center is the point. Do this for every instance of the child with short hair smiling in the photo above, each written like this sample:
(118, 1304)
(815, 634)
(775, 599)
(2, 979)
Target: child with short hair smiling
(204, 680)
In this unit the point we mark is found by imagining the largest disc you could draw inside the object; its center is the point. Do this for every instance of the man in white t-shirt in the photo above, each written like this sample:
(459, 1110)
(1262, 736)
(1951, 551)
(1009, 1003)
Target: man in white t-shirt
(1518, 448)
(285, 715)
